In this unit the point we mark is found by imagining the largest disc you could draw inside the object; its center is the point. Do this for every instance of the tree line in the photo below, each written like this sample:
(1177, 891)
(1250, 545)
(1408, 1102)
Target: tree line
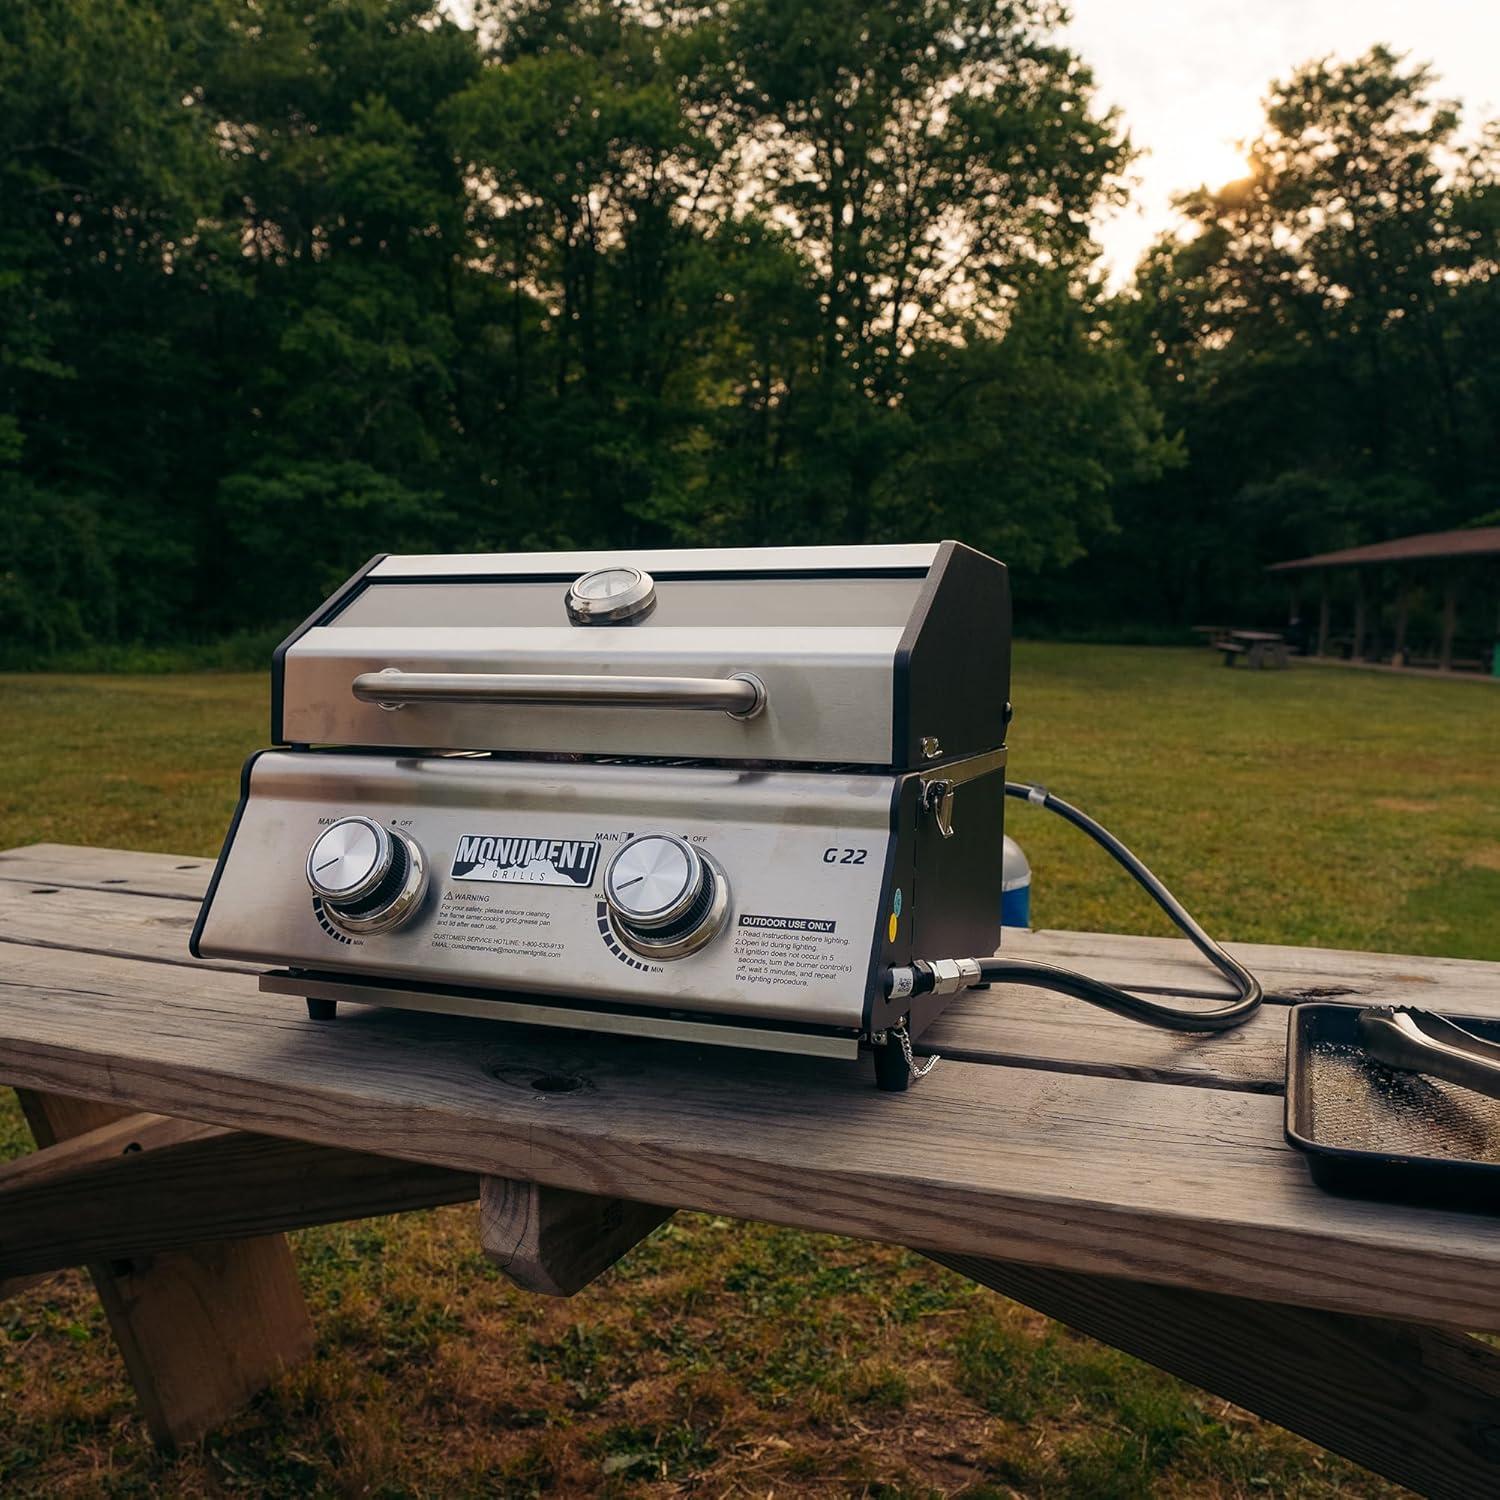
(283, 284)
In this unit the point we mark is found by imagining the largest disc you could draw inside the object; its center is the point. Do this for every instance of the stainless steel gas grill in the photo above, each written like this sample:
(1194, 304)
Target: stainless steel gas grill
(721, 796)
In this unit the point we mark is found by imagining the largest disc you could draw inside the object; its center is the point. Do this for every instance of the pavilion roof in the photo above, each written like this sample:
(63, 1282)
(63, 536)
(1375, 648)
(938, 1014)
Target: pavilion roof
(1475, 541)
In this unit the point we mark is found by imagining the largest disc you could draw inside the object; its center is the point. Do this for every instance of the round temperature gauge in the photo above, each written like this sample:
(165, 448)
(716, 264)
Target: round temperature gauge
(611, 596)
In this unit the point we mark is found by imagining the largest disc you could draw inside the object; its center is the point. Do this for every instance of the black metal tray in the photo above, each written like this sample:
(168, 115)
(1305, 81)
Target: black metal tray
(1370, 1131)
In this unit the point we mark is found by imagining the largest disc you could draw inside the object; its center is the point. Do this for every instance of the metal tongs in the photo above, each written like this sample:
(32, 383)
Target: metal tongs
(1418, 1041)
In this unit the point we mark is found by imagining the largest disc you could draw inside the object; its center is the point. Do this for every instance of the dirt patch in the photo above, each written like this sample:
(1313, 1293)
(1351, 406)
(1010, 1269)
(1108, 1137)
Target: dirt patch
(1485, 857)
(1407, 804)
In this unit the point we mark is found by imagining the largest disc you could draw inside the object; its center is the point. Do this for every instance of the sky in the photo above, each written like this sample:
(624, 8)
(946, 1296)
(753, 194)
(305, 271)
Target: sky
(1190, 75)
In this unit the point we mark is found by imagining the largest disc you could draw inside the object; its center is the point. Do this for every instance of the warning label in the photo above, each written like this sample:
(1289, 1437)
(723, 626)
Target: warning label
(789, 924)
(471, 924)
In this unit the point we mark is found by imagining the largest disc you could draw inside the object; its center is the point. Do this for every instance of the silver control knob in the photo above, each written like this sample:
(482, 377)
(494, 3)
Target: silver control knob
(666, 899)
(349, 859)
(368, 878)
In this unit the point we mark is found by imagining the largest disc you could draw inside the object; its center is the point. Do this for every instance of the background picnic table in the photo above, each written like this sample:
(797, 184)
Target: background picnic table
(1258, 648)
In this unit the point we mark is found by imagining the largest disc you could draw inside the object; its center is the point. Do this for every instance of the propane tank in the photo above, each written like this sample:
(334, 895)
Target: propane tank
(1015, 886)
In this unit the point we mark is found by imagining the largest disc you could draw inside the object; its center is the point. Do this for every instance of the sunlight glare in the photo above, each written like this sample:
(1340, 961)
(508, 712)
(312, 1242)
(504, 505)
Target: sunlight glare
(1200, 159)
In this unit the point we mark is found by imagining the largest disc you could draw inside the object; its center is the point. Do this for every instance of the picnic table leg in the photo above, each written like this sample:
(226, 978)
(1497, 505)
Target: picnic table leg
(1418, 1405)
(554, 1241)
(201, 1330)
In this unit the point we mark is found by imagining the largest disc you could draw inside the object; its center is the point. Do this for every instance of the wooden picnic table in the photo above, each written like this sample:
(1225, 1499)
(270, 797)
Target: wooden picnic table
(1260, 648)
(1132, 1183)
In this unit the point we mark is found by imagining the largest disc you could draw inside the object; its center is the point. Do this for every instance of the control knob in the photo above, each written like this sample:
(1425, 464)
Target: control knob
(368, 878)
(666, 899)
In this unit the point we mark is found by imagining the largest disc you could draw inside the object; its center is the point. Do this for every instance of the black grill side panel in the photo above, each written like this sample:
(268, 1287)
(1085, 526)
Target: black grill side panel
(953, 664)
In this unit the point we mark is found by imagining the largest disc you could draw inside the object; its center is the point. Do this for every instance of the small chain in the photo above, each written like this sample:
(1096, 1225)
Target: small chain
(903, 1039)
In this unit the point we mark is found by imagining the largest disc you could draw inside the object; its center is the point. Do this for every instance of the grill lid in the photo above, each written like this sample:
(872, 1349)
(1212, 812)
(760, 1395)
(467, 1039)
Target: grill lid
(878, 656)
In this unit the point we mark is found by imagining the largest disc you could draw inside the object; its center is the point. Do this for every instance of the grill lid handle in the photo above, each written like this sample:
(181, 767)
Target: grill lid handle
(741, 695)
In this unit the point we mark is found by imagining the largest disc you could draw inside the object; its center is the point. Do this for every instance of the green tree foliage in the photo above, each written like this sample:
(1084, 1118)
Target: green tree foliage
(107, 169)
(344, 344)
(1324, 339)
(284, 283)
(935, 166)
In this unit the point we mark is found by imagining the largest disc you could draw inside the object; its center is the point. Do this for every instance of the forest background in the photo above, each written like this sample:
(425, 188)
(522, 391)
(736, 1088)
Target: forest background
(289, 282)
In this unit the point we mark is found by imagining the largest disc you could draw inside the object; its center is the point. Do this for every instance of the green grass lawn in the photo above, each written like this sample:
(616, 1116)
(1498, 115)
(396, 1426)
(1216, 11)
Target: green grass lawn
(1312, 806)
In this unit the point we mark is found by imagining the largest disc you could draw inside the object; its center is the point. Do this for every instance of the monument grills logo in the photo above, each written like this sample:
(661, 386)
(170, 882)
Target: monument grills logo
(525, 861)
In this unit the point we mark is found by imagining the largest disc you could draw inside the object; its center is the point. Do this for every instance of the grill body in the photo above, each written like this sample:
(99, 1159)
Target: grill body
(815, 736)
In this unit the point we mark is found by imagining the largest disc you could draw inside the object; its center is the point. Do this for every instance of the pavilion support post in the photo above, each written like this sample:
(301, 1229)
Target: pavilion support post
(1323, 613)
(1450, 621)
(1403, 614)
(1358, 653)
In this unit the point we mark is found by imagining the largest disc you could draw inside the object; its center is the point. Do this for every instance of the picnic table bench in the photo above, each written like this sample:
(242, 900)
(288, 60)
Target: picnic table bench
(1132, 1183)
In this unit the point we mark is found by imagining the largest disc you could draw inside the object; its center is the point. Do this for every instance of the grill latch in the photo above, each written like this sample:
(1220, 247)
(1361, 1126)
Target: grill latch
(940, 789)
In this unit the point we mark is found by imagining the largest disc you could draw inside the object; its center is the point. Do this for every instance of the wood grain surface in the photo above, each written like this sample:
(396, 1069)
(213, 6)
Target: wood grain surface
(1007, 1024)
(180, 877)
(554, 1241)
(1185, 1186)
(1084, 1125)
(146, 1183)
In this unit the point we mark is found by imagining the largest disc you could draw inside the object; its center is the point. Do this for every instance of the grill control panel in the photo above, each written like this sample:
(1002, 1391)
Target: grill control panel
(700, 889)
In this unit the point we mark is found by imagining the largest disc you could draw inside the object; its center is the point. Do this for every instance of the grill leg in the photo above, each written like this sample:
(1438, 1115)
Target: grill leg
(892, 1071)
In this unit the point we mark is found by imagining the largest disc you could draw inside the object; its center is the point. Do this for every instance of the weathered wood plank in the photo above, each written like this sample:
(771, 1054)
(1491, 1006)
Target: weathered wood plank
(120, 922)
(65, 1161)
(554, 1241)
(182, 877)
(200, 1330)
(55, 1118)
(1005, 1025)
(1418, 1405)
(1190, 1187)
(1017, 1027)
(148, 1183)
(1290, 974)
